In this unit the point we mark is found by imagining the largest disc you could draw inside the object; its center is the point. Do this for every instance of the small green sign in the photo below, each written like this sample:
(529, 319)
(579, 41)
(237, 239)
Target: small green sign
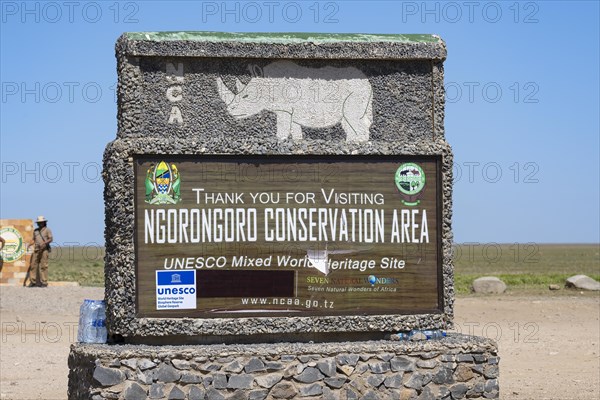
(410, 181)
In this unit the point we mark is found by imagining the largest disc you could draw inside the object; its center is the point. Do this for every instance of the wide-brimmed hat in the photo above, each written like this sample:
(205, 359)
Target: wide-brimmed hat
(41, 219)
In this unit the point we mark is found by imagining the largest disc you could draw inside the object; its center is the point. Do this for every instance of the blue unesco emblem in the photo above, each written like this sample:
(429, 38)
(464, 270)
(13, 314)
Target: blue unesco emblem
(175, 290)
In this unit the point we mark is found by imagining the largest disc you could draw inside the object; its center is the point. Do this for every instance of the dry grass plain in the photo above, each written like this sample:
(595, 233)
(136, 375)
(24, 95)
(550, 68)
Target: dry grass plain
(526, 268)
(549, 340)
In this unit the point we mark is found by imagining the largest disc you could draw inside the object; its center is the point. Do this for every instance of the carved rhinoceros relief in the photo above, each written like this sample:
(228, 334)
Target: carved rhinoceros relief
(301, 96)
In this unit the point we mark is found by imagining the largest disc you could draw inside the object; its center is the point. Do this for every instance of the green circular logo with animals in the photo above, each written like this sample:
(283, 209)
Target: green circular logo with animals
(13, 246)
(410, 181)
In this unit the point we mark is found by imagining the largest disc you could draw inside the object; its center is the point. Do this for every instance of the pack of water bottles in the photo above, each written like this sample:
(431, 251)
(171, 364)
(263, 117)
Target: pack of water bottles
(92, 322)
(417, 334)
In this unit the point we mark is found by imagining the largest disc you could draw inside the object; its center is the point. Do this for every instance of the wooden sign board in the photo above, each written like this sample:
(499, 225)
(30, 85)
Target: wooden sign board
(262, 186)
(229, 236)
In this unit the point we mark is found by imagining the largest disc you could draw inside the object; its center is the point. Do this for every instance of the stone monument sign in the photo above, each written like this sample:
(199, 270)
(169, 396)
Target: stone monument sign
(277, 205)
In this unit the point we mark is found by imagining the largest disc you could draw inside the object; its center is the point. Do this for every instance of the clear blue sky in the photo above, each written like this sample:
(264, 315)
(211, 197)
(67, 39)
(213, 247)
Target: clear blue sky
(522, 109)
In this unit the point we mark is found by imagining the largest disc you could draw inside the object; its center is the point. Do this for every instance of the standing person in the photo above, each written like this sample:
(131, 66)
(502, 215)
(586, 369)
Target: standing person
(42, 237)
(2, 243)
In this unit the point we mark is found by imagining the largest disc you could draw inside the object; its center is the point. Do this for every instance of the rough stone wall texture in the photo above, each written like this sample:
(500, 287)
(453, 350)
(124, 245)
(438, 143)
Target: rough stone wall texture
(456, 367)
(406, 76)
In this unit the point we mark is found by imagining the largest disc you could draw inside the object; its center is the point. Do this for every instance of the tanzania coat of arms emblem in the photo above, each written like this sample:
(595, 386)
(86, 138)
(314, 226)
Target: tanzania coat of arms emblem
(163, 184)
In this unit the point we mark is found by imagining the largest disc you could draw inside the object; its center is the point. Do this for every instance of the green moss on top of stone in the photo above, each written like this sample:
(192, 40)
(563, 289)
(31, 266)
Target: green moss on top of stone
(284, 38)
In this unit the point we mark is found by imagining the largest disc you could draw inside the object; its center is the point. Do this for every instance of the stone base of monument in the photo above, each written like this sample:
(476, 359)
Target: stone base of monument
(455, 367)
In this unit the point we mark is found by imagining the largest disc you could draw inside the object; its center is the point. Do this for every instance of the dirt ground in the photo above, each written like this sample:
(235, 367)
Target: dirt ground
(549, 346)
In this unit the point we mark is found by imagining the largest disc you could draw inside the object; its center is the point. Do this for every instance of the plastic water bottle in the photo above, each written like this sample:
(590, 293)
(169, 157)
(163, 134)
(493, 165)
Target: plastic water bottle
(430, 334)
(100, 323)
(85, 322)
(92, 322)
(434, 334)
(403, 335)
